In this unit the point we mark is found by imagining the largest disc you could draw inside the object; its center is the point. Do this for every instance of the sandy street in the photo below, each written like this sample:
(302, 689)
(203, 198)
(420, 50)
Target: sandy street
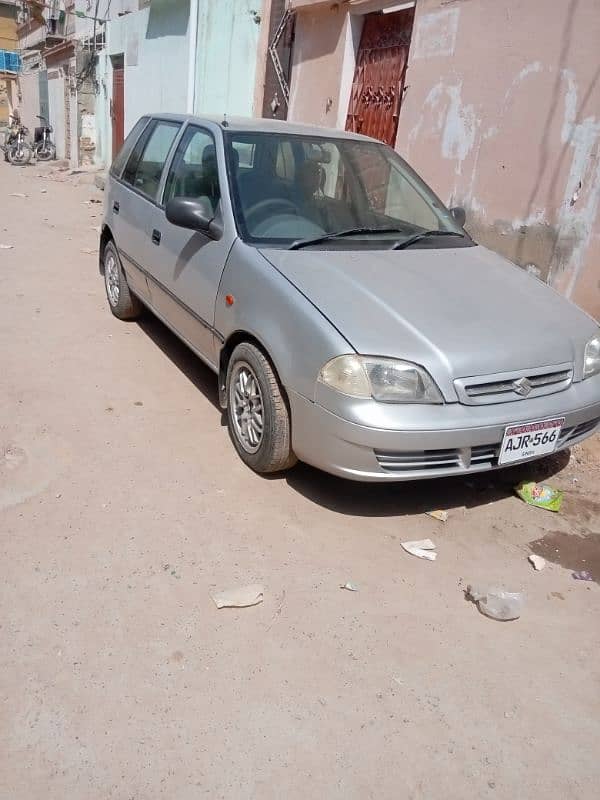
(123, 506)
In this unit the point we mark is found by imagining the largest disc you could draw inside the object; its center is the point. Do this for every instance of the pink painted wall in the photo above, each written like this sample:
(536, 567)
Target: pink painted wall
(501, 115)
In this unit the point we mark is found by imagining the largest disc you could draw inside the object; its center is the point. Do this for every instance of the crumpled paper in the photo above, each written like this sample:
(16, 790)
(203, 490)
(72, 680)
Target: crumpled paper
(243, 597)
(422, 549)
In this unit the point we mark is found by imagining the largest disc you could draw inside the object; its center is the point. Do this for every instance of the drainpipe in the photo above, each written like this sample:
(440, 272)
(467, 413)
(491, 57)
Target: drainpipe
(193, 36)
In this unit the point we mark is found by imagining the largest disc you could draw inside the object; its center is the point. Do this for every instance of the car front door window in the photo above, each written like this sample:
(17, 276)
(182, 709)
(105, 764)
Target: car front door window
(194, 173)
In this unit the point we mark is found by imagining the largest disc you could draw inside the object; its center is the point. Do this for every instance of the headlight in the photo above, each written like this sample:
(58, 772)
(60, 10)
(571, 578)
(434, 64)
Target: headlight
(384, 379)
(591, 358)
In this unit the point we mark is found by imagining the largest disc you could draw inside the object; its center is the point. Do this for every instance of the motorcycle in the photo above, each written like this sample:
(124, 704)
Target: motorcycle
(17, 149)
(44, 148)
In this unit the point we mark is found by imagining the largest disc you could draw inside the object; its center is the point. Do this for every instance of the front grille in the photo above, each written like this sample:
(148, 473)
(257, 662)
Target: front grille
(482, 457)
(501, 388)
(569, 435)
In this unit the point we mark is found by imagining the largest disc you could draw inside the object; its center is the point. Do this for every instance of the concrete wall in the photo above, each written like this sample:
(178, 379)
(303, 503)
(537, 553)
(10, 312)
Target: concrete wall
(56, 98)
(154, 43)
(29, 107)
(501, 115)
(228, 35)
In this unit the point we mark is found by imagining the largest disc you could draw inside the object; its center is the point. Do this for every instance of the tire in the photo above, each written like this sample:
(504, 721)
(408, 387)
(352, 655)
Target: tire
(121, 301)
(46, 153)
(264, 446)
(23, 159)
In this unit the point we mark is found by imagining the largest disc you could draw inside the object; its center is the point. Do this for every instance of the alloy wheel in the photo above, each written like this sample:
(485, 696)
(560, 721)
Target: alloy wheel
(246, 401)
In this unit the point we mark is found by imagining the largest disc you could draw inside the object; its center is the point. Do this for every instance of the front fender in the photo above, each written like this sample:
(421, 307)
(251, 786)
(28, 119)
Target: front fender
(298, 338)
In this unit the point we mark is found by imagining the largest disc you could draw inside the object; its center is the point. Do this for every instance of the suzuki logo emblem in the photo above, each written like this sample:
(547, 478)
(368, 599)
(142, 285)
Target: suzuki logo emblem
(522, 386)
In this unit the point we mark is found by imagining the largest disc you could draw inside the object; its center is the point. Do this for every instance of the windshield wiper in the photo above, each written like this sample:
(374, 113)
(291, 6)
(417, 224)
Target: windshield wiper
(422, 235)
(299, 243)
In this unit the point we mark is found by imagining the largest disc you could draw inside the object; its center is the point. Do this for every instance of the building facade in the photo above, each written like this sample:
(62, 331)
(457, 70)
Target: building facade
(193, 56)
(495, 102)
(9, 60)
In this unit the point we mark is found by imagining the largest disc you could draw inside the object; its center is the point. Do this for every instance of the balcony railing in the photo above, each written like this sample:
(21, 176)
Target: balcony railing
(9, 61)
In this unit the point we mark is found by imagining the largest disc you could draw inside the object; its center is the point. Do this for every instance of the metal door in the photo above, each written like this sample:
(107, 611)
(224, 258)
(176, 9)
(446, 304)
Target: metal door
(379, 76)
(118, 108)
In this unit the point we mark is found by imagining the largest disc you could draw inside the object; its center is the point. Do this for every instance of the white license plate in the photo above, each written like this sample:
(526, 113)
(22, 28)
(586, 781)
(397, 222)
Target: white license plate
(529, 440)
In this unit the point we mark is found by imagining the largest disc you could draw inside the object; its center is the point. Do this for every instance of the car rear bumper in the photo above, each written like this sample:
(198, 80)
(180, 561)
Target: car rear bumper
(469, 442)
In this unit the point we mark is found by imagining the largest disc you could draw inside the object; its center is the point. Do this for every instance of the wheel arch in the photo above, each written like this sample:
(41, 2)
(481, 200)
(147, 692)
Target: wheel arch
(235, 338)
(105, 237)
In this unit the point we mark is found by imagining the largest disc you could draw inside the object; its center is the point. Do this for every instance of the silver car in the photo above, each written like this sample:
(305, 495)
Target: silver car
(352, 322)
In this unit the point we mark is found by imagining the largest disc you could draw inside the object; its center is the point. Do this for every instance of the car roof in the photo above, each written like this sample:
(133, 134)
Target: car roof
(261, 125)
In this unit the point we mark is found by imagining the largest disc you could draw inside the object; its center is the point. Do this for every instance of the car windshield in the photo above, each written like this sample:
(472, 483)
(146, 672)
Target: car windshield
(297, 191)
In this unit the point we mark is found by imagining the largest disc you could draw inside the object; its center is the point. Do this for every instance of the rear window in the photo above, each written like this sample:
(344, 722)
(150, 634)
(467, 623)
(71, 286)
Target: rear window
(123, 154)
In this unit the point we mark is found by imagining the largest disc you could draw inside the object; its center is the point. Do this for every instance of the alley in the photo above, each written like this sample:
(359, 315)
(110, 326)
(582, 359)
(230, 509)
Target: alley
(123, 506)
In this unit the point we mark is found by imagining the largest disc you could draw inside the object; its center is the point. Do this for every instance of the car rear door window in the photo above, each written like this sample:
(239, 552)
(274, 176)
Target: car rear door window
(146, 163)
(194, 171)
(129, 144)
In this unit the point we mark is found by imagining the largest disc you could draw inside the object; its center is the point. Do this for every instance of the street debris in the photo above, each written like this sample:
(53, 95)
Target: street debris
(497, 603)
(351, 587)
(442, 516)
(422, 549)
(89, 251)
(239, 598)
(18, 194)
(7, 246)
(582, 575)
(540, 495)
(43, 191)
(537, 562)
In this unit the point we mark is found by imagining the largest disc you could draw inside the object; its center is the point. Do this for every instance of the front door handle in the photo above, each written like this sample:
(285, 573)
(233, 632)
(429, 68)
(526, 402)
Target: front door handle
(116, 207)
(156, 236)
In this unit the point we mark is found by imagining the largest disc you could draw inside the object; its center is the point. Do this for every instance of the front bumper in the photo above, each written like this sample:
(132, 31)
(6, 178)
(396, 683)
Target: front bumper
(430, 441)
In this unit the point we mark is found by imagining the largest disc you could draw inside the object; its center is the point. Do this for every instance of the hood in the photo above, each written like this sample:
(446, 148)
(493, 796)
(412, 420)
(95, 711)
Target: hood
(459, 312)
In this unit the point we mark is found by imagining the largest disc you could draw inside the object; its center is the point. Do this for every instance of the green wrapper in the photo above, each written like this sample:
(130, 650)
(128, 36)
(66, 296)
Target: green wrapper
(540, 495)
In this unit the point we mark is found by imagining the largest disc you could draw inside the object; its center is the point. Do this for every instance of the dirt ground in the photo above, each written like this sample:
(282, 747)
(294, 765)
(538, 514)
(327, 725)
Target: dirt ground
(123, 505)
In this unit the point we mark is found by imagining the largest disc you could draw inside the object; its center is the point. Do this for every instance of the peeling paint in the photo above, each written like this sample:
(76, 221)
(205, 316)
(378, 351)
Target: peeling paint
(457, 123)
(459, 131)
(570, 106)
(576, 219)
(436, 34)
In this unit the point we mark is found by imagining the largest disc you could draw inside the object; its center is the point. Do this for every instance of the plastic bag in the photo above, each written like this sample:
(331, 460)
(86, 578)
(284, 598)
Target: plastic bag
(497, 603)
(540, 495)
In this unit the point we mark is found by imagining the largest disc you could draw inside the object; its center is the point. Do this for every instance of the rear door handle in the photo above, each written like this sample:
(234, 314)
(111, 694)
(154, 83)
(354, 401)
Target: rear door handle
(156, 236)
(116, 207)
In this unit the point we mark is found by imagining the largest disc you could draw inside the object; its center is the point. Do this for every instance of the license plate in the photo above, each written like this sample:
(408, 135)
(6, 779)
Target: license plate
(529, 440)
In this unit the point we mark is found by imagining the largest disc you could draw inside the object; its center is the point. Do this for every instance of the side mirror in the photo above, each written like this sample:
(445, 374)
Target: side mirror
(460, 215)
(195, 215)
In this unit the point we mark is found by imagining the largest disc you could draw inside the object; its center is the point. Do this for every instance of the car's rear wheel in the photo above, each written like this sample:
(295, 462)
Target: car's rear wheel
(122, 302)
(257, 414)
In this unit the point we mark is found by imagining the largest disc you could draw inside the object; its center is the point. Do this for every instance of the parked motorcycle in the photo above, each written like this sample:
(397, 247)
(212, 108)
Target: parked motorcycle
(43, 147)
(16, 148)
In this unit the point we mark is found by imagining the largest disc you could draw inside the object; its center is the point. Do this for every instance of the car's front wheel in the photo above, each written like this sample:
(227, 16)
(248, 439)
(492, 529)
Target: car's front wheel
(122, 302)
(257, 414)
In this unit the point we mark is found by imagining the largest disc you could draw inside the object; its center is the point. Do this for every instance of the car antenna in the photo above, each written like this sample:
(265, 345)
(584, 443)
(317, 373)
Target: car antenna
(225, 124)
